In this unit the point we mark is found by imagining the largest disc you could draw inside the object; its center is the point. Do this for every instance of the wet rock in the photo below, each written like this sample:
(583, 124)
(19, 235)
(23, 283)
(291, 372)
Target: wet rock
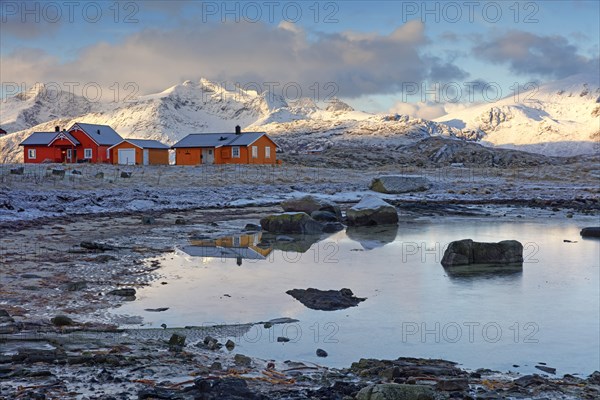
(125, 292)
(282, 339)
(309, 204)
(321, 353)
(125, 174)
(148, 220)
(30, 276)
(465, 252)
(158, 393)
(210, 343)
(593, 231)
(394, 391)
(452, 385)
(390, 373)
(177, 340)
(75, 286)
(371, 210)
(104, 258)
(96, 246)
(225, 389)
(160, 309)
(325, 300)
(180, 221)
(216, 366)
(242, 361)
(332, 227)
(30, 356)
(594, 378)
(529, 380)
(395, 184)
(546, 369)
(229, 345)
(252, 228)
(324, 216)
(62, 320)
(291, 222)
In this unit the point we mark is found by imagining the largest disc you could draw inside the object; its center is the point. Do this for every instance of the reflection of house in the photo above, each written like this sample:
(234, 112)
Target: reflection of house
(225, 148)
(246, 246)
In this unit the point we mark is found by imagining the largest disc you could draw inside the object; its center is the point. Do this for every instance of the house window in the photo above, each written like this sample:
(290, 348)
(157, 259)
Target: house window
(69, 154)
(267, 152)
(31, 153)
(87, 153)
(235, 152)
(254, 151)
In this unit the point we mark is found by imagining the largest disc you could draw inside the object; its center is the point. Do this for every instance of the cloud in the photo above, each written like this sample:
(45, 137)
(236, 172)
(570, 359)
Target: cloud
(157, 58)
(528, 53)
(426, 110)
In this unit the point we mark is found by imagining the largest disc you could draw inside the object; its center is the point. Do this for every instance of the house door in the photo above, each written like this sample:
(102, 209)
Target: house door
(146, 156)
(208, 156)
(69, 155)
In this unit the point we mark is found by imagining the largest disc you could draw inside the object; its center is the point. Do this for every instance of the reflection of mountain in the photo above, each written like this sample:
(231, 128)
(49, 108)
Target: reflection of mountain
(244, 246)
(484, 271)
(371, 237)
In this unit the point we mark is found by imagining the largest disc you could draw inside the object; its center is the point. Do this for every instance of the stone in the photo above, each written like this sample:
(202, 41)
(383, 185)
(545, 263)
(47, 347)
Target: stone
(58, 172)
(291, 222)
(99, 175)
(528, 380)
(309, 204)
(17, 171)
(125, 174)
(326, 300)
(324, 216)
(395, 391)
(371, 210)
(180, 221)
(62, 320)
(76, 286)
(229, 345)
(252, 228)
(148, 220)
(594, 378)
(125, 292)
(242, 361)
(332, 227)
(96, 246)
(548, 370)
(452, 385)
(466, 252)
(177, 340)
(593, 231)
(321, 353)
(396, 184)
(282, 339)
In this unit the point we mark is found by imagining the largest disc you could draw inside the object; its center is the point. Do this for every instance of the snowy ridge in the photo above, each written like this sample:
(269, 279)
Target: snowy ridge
(559, 118)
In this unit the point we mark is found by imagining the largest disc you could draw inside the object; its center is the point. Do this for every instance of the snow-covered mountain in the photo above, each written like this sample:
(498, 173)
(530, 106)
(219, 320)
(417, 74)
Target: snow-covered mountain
(561, 118)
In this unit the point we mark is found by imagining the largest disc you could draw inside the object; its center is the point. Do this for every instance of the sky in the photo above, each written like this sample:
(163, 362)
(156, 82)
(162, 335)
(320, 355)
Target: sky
(423, 58)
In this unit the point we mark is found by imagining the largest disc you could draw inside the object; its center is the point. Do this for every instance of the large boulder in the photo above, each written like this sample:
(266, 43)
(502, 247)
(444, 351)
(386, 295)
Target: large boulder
(394, 184)
(371, 210)
(593, 231)
(395, 391)
(310, 204)
(291, 222)
(465, 252)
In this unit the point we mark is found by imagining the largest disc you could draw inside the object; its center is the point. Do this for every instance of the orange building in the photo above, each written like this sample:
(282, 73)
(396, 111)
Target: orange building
(225, 148)
(140, 152)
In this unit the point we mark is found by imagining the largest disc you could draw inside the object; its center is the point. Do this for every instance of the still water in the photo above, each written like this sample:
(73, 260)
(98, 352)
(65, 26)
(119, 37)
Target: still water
(547, 311)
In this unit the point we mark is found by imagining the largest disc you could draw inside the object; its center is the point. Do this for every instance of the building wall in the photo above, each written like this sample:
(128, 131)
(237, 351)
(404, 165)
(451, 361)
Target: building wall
(188, 156)
(98, 152)
(43, 153)
(114, 153)
(225, 153)
(158, 156)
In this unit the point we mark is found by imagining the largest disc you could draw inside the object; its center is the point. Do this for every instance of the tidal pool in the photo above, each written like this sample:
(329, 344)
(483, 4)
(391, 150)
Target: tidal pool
(545, 312)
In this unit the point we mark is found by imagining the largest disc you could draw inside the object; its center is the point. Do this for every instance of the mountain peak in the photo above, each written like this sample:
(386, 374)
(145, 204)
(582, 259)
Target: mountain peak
(336, 105)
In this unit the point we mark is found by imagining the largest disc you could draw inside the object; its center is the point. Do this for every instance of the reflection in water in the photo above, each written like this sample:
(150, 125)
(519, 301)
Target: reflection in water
(372, 237)
(245, 246)
(484, 271)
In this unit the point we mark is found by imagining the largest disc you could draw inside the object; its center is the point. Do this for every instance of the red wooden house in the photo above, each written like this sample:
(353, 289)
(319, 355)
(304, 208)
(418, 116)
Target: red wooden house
(81, 143)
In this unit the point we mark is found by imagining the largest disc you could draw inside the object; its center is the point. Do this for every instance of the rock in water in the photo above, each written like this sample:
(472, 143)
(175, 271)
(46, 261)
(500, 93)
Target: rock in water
(394, 391)
(321, 353)
(62, 320)
(593, 231)
(310, 204)
(371, 210)
(291, 222)
(126, 292)
(395, 184)
(325, 300)
(465, 252)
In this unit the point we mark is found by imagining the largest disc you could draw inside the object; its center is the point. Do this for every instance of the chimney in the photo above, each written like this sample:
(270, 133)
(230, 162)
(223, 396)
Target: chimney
(98, 131)
(238, 130)
(57, 128)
